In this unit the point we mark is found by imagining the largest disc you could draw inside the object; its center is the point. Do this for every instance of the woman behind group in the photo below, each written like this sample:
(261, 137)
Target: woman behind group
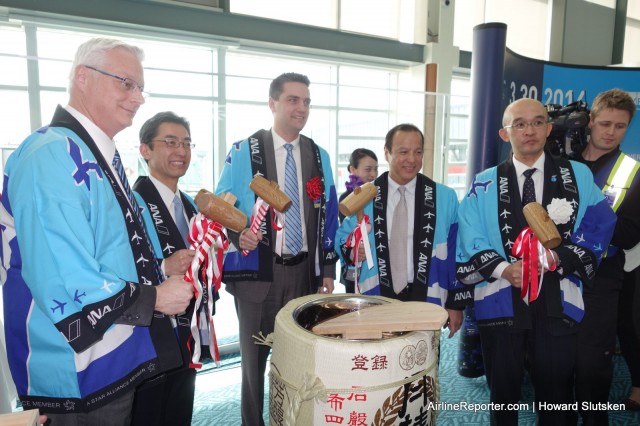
(363, 168)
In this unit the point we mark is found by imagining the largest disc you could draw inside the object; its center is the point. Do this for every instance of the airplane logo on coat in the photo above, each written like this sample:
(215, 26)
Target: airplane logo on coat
(83, 168)
(129, 215)
(77, 296)
(378, 220)
(59, 305)
(168, 249)
(107, 286)
(142, 259)
(136, 238)
(475, 184)
(505, 213)
(429, 215)
(379, 233)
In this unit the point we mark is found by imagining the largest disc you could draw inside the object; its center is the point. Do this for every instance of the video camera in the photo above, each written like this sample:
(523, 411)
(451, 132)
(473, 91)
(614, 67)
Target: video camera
(570, 131)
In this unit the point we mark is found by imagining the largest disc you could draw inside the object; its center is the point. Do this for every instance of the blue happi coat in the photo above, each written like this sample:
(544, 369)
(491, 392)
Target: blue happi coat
(490, 219)
(248, 158)
(70, 274)
(435, 229)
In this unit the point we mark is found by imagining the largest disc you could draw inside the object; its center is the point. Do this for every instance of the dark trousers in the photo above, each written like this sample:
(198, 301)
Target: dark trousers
(596, 346)
(116, 413)
(551, 361)
(166, 400)
(629, 324)
(289, 282)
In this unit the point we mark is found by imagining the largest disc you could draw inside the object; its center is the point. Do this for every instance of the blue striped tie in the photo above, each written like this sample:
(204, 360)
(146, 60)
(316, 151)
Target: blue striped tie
(117, 166)
(181, 222)
(293, 234)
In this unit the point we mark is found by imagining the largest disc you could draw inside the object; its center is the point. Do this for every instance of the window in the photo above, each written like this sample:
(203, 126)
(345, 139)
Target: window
(352, 106)
(527, 29)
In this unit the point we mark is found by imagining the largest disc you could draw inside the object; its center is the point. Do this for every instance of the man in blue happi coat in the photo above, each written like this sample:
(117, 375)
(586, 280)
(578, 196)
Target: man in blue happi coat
(284, 264)
(82, 329)
(535, 328)
(422, 266)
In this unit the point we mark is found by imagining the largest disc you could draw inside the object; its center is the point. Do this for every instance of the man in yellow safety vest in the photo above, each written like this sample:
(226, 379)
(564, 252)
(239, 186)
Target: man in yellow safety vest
(605, 310)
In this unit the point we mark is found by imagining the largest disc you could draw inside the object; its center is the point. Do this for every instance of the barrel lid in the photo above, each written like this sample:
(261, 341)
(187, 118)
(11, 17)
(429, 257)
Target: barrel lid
(371, 322)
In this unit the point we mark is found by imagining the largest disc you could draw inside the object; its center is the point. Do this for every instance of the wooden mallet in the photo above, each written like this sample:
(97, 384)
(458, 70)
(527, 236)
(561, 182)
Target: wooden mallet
(355, 202)
(272, 196)
(221, 209)
(542, 226)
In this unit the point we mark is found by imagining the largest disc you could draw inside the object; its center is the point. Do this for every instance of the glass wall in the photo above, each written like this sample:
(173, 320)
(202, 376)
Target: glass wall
(223, 92)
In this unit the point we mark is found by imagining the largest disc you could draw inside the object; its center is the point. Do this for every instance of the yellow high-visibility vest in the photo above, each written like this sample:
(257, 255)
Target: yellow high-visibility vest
(615, 189)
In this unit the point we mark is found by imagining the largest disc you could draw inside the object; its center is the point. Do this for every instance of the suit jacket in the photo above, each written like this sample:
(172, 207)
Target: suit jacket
(250, 276)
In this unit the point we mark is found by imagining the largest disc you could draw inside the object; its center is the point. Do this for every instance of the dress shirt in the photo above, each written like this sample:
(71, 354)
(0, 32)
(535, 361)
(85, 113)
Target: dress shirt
(538, 183)
(281, 157)
(393, 197)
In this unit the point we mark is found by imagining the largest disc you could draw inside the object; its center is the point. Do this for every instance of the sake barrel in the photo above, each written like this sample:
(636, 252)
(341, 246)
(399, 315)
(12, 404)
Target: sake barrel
(319, 380)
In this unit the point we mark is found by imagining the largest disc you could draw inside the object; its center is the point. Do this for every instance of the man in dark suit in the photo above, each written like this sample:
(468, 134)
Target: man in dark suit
(281, 265)
(165, 144)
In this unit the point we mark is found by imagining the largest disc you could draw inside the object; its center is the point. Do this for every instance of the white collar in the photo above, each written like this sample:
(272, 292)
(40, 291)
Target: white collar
(278, 141)
(105, 144)
(165, 192)
(410, 186)
(521, 167)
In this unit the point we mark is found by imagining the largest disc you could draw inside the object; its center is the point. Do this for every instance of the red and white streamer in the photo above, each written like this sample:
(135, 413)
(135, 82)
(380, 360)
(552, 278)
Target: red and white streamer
(534, 263)
(209, 240)
(258, 213)
(356, 238)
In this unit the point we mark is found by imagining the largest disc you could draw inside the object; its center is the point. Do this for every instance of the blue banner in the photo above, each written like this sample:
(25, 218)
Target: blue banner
(562, 84)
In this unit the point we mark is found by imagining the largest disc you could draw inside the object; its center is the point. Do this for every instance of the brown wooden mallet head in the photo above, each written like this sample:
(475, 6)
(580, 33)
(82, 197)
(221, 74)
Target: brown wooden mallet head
(271, 193)
(221, 209)
(542, 226)
(355, 202)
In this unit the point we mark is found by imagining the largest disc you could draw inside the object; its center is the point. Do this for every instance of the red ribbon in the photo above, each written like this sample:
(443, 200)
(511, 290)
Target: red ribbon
(209, 240)
(354, 240)
(526, 247)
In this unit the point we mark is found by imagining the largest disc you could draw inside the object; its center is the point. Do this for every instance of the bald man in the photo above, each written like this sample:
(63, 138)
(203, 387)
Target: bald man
(541, 325)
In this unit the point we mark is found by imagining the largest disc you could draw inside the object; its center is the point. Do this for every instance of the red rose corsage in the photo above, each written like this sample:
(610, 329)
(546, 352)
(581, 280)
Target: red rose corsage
(314, 190)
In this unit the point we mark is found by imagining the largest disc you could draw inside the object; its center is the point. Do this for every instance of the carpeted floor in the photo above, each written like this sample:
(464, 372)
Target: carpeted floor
(217, 399)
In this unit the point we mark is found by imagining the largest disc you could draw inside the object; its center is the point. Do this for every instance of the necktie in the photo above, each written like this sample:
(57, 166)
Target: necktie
(293, 234)
(398, 244)
(528, 189)
(181, 222)
(117, 166)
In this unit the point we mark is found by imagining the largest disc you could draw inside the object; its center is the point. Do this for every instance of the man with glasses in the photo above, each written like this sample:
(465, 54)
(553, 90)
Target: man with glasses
(523, 318)
(165, 145)
(281, 265)
(617, 175)
(82, 332)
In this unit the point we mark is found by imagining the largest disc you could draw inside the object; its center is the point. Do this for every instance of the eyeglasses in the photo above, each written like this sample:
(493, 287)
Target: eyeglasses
(175, 143)
(128, 84)
(520, 126)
